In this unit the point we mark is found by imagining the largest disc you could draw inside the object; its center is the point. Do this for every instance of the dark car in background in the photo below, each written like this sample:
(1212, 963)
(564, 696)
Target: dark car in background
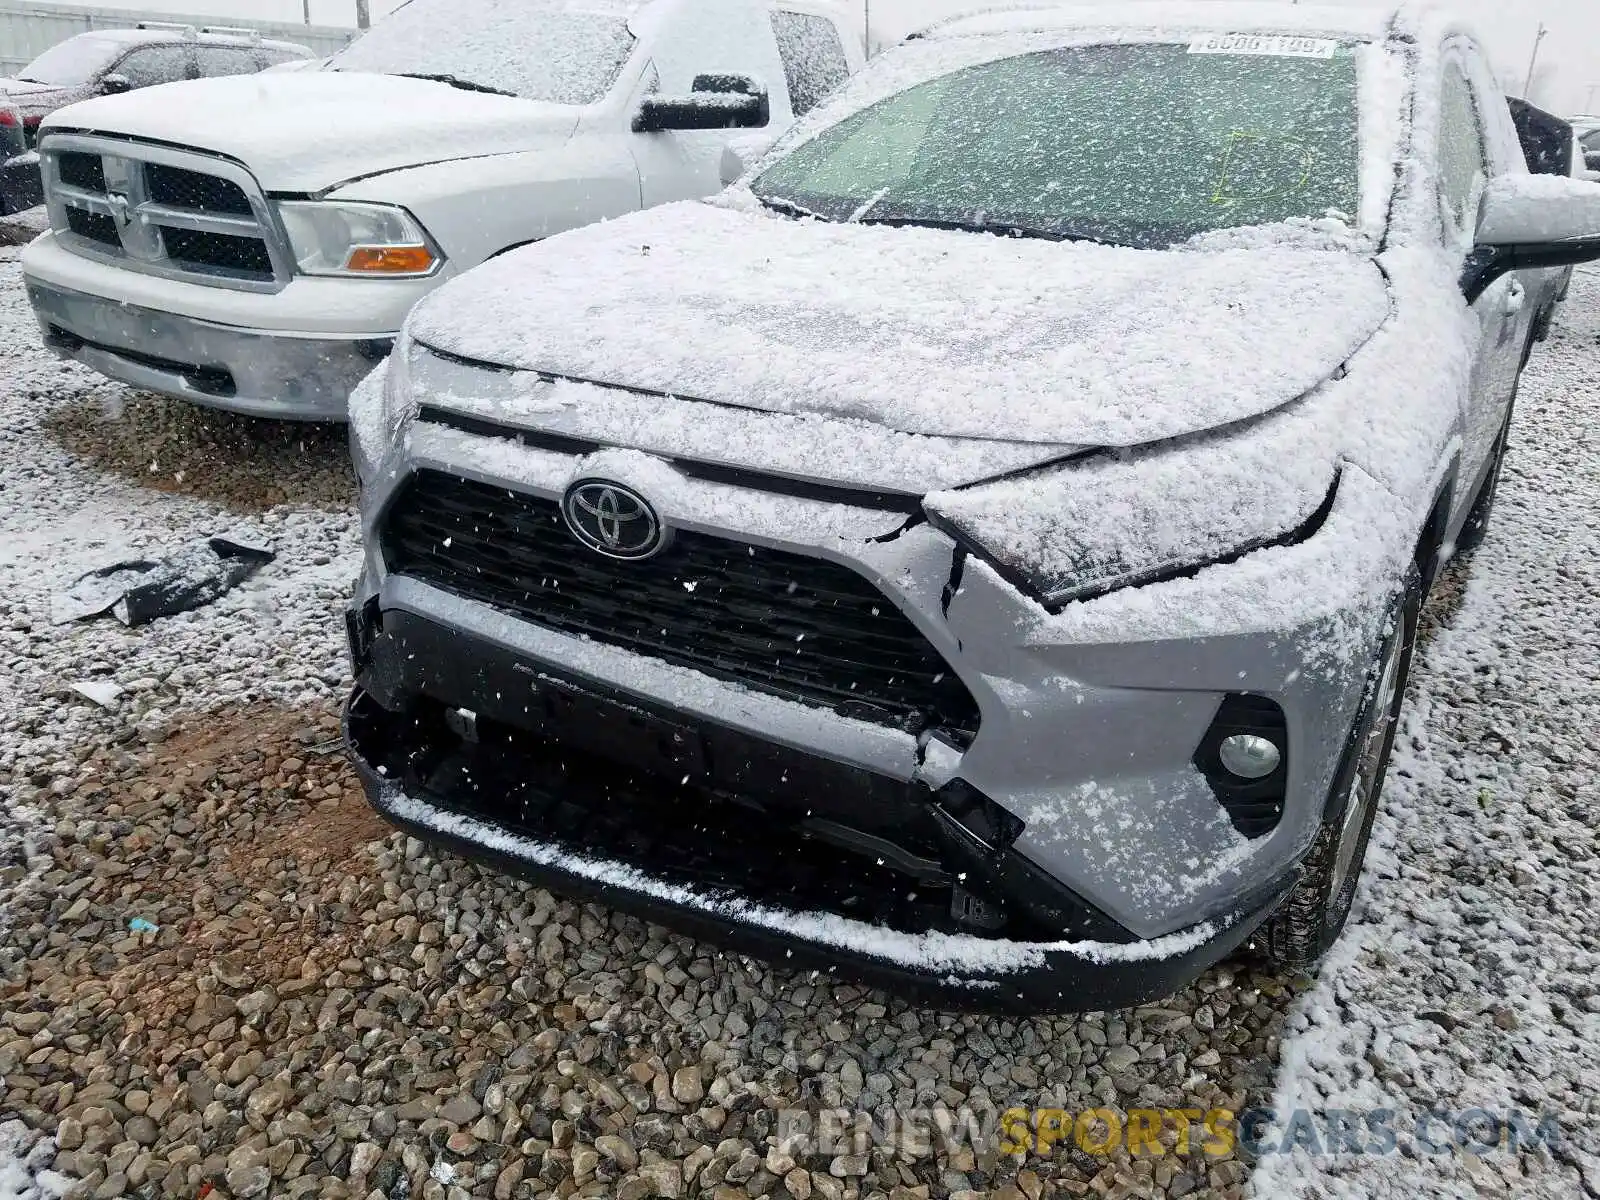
(107, 62)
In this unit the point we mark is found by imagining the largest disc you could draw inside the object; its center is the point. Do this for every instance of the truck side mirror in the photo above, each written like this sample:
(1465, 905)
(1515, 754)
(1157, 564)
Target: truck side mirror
(115, 85)
(715, 102)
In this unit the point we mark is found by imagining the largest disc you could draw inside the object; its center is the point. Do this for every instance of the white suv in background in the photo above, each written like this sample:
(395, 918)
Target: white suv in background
(255, 244)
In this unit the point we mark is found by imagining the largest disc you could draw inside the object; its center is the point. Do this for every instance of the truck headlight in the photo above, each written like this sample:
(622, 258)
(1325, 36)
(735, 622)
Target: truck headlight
(1128, 519)
(337, 237)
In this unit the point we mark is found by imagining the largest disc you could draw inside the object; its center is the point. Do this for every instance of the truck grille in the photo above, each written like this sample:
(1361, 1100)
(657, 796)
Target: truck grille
(85, 171)
(191, 189)
(95, 226)
(780, 623)
(162, 211)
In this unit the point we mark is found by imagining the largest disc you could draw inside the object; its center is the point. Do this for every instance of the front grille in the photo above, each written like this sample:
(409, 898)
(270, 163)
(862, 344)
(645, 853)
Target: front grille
(159, 217)
(191, 189)
(86, 171)
(219, 251)
(97, 227)
(781, 623)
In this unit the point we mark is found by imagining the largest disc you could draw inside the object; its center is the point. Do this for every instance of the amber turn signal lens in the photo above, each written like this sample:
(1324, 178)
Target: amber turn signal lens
(391, 260)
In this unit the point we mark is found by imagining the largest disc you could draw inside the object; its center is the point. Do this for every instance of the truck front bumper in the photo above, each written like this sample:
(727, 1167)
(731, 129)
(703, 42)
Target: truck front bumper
(256, 372)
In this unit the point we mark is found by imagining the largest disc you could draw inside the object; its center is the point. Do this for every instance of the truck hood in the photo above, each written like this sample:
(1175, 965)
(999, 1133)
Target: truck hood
(938, 333)
(307, 131)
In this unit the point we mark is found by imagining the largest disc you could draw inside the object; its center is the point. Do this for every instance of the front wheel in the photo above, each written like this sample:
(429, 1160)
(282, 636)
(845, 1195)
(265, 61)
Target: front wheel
(1311, 920)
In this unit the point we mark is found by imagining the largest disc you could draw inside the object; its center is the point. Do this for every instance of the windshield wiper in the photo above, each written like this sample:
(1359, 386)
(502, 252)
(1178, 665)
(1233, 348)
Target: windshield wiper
(465, 85)
(779, 204)
(998, 228)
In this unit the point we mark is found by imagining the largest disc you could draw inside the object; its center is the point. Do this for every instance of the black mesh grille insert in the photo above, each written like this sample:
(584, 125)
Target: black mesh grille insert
(86, 171)
(242, 256)
(191, 189)
(96, 227)
(782, 623)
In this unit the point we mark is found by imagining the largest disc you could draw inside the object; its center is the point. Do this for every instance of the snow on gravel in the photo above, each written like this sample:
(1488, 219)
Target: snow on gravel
(278, 637)
(1470, 978)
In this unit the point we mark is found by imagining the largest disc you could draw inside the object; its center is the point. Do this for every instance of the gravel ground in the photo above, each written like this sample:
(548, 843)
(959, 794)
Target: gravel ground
(327, 1009)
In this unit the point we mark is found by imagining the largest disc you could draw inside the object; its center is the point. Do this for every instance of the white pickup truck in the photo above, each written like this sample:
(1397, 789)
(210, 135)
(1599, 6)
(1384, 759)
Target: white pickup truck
(255, 243)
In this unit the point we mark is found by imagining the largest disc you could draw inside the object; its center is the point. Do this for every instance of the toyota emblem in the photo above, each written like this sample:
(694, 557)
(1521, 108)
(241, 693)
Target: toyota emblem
(613, 520)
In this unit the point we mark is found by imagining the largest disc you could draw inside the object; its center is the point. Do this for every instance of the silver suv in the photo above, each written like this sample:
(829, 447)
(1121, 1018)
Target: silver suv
(979, 554)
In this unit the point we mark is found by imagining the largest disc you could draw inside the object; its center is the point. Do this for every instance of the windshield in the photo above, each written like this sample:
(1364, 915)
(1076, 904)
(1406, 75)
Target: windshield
(74, 62)
(562, 51)
(1141, 145)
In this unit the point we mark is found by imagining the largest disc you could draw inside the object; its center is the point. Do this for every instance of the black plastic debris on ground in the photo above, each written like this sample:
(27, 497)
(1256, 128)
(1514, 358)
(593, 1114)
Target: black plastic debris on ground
(143, 590)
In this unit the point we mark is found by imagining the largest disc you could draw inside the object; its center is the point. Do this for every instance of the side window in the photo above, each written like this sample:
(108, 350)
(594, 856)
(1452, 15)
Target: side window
(813, 57)
(151, 65)
(1463, 164)
(225, 60)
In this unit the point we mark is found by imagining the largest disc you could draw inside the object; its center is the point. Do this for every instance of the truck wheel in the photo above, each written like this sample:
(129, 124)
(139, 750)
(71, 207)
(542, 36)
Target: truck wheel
(1310, 921)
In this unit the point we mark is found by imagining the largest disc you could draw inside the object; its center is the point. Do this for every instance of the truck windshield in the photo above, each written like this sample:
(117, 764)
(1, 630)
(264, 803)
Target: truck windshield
(74, 62)
(1142, 145)
(560, 51)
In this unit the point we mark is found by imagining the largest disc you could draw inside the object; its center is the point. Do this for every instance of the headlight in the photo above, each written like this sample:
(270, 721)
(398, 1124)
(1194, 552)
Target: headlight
(332, 237)
(1128, 519)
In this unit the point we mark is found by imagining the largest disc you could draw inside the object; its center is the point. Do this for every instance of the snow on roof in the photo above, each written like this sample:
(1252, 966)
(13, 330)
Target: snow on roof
(180, 33)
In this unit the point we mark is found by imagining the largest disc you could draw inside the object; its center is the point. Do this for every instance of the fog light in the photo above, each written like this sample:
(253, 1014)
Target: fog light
(1249, 756)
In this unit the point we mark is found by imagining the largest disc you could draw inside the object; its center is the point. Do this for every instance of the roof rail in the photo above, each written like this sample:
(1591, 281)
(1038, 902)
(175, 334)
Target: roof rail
(238, 31)
(174, 26)
(189, 31)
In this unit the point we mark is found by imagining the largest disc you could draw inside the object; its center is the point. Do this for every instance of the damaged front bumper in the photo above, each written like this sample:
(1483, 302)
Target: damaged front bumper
(765, 849)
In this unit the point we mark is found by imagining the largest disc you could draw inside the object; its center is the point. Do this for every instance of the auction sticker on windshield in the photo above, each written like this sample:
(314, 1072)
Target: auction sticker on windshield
(1275, 45)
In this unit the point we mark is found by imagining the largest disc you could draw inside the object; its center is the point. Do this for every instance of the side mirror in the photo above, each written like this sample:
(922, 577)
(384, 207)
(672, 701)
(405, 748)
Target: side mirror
(1529, 223)
(716, 102)
(115, 85)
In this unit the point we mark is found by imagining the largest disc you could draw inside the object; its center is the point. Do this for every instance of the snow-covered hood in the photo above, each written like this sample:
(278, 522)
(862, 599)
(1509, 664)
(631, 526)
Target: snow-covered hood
(33, 95)
(921, 331)
(304, 131)
(22, 88)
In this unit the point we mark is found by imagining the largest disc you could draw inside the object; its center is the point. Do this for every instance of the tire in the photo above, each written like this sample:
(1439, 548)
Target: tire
(1301, 932)
(1476, 527)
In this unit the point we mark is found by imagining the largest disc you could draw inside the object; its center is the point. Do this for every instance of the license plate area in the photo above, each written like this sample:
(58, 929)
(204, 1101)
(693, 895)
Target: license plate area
(564, 713)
